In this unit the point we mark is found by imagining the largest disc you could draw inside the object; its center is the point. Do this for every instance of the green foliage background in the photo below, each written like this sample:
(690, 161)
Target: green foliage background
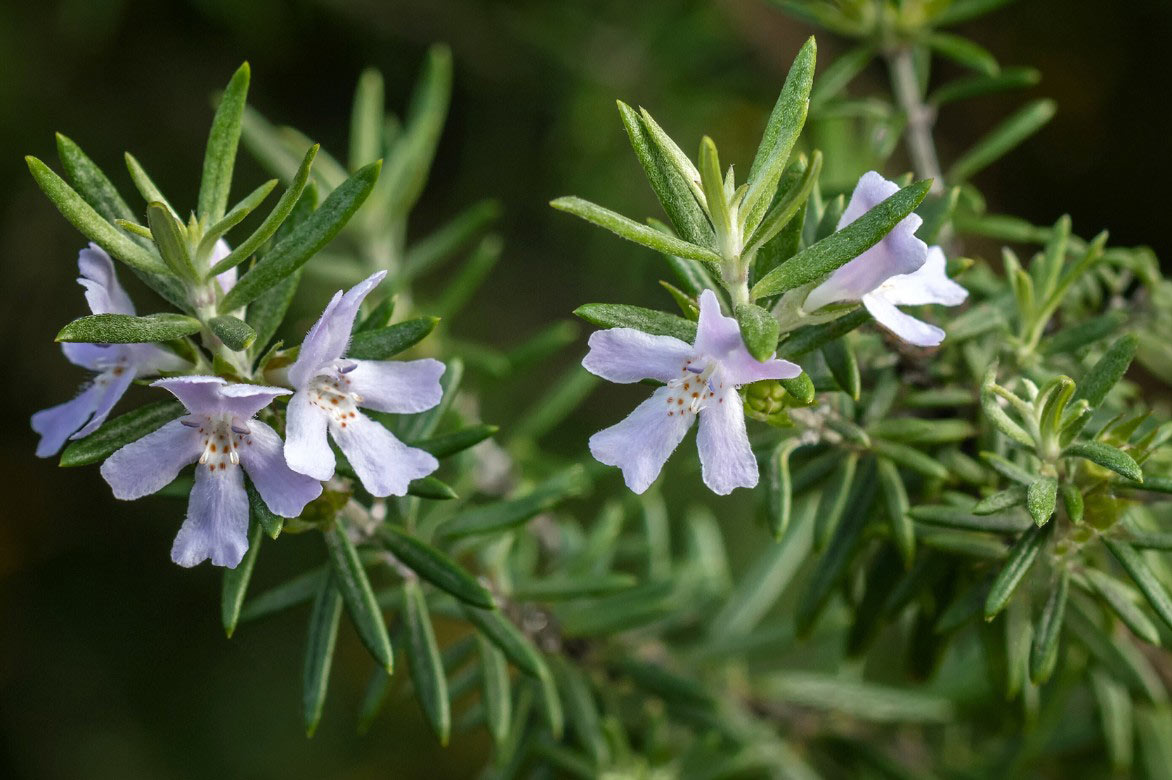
(112, 661)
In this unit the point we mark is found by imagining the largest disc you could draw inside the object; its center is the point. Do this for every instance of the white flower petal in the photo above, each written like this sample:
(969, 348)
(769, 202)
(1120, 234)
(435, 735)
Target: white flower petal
(307, 450)
(716, 334)
(217, 520)
(151, 463)
(327, 339)
(398, 386)
(905, 326)
(57, 423)
(643, 441)
(102, 291)
(626, 355)
(899, 252)
(226, 280)
(384, 464)
(929, 284)
(725, 455)
(112, 386)
(285, 491)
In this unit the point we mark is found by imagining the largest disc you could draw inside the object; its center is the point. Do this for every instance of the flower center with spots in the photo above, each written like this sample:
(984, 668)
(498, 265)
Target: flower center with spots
(693, 389)
(109, 367)
(331, 393)
(222, 436)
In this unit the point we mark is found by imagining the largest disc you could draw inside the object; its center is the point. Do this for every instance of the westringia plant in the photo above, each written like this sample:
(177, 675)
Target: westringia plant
(973, 490)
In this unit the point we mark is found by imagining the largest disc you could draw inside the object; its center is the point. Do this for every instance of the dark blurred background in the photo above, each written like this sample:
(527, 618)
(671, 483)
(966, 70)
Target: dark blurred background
(112, 660)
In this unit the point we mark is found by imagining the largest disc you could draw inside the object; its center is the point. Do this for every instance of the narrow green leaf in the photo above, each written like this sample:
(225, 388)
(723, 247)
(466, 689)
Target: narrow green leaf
(128, 329)
(1041, 496)
(319, 652)
(350, 580)
(910, 458)
(1083, 333)
(1001, 500)
(903, 532)
(384, 343)
(290, 198)
(494, 694)
(806, 339)
(958, 517)
(89, 181)
(373, 699)
(918, 430)
(435, 566)
(1072, 502)
(1021, 557)
(633, 231)
(801, 388)
(964, 52)
(1106, 456)
(668, 176)
(979, 85)
(767, 577)
(840, 359)
(236, 334)
(366, 120)
(561, 588)
(1107, 372)
(714, 193)
(1044, 652)
(1008, 468)
(119, 431)
(865, 701)
(991, 406)
(424, 662)
(758, 330)
(1122, 600)
(1149, 585)
(220, 157)
(1117, 718)
(834, 564)
(621, 315)
(501, 632)
(779, 496)
(235, 581)
(837, 249)
(90, 223)
(265, 314)
(298, 590)
(451, 443)
(429, 252)
(305, 241)
(510, 513)
(410, 157)
(234, 217)
(432, 488)
(143, 183)
(781, 132)
(834, 498)
(1001, 139)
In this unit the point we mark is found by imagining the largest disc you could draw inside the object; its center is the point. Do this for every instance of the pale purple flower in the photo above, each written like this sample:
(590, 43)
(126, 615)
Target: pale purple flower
(929, 284)
(700, 379)
(219, 432)
(115, 365)
(901, 270)
(330, 389)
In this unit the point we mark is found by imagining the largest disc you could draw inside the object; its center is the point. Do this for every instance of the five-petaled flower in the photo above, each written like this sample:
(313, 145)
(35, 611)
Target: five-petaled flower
(219, 432)
(700, 379)
(115, 365)
(330, 389)
(900, 270)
